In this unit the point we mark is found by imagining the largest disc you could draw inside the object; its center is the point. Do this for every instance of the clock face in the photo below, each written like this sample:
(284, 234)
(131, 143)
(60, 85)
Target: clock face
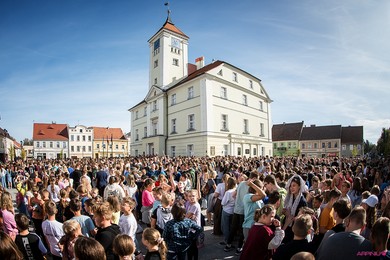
(175, 43)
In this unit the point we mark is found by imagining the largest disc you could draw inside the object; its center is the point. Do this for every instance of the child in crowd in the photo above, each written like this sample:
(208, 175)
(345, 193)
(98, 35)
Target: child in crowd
(194, 213)
(8, 249)
(116, 208)
(107, 231)
(86, 248)
(157, 194)
(380, 237)
(317, 202)
(89, 204)
(327, 221)
(83, 195)
(61, 205)
(369, 205)
(155, 244)
(94, 193)
(227, 208)
(341, 210)
(127, 222)
(36, 207)
(54, 190)
(147, 201)
(52, 229)
(261, 239)
(162, 214)
(180, 232)
(30, 244)
(252, 200)
(124, 247)
(114, 189)
(7, 214)
(301, 228)
(86, 223)
(293, 202)
(72, 231)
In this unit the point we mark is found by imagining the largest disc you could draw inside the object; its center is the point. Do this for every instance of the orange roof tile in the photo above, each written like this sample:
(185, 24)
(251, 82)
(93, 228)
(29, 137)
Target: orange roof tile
(168, 25)
(53, 131)
(17, 145)
(101, 133)
(171, 27)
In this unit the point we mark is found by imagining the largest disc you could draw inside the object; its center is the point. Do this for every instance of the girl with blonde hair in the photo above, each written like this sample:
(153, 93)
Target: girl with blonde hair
(155, 244)
(8, 214)
(72, 230)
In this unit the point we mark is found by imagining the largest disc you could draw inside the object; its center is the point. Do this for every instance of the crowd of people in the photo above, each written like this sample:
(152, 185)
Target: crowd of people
(261, 207)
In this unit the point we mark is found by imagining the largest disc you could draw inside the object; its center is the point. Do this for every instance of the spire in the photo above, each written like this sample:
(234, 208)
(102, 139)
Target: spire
(169, 13)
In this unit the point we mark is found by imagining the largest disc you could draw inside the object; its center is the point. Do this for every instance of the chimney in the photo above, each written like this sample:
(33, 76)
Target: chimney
(312, 125)
(199, 62)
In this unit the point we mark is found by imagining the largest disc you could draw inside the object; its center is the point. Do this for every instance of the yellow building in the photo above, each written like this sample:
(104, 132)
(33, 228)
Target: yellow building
(109, 142)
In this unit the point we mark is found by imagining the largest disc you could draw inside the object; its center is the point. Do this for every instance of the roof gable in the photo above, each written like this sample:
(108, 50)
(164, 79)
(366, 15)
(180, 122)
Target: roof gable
(52, 131)
(169, 26)
(153, 92)
(284, 132)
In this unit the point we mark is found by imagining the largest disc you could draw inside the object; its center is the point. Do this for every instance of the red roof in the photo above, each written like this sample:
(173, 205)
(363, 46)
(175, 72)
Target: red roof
(171, 27)
(168, 25)
(57, 132)
(17, 145)
(107, 133)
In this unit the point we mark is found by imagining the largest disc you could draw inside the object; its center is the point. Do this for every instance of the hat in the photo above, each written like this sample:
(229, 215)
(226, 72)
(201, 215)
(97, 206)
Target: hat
(371, 201)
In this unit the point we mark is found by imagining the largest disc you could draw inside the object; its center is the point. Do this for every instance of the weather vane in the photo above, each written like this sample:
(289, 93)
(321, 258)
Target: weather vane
(169, 12)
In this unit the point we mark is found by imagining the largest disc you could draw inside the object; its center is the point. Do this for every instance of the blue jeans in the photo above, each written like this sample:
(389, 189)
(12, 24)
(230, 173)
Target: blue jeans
(225, 224)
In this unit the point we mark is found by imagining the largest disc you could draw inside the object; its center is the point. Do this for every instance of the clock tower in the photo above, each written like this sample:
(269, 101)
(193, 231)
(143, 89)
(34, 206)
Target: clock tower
(168, 50)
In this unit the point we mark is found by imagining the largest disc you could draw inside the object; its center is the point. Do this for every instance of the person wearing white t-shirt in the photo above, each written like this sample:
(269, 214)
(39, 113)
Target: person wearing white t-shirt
(227, 203)
(127, 222)
(52, 230)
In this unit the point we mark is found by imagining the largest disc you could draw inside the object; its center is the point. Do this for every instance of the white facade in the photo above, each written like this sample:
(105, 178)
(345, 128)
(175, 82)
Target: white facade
(80, 141)
(50, 149)
(6, 145)
(217, 110)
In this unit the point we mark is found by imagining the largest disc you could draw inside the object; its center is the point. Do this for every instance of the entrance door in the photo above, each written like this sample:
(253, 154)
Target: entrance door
(150, 149)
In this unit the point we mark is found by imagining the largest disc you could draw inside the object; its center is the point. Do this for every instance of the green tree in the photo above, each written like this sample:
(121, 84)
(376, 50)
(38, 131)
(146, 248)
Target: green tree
(11, 153)
(354, 151)
(369, 147)
(23, 154)
(27, 141)
(383, 145)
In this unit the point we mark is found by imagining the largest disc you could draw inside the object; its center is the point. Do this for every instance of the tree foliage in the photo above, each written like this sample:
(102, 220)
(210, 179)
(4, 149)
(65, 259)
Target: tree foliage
(369, 147)
(383, 145)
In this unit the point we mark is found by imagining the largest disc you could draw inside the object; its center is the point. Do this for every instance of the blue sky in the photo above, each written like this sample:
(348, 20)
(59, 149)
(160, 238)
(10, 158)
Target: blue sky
(86, 62)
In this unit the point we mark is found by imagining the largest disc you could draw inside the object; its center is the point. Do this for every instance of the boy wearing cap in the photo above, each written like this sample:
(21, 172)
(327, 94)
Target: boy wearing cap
(369, 205)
